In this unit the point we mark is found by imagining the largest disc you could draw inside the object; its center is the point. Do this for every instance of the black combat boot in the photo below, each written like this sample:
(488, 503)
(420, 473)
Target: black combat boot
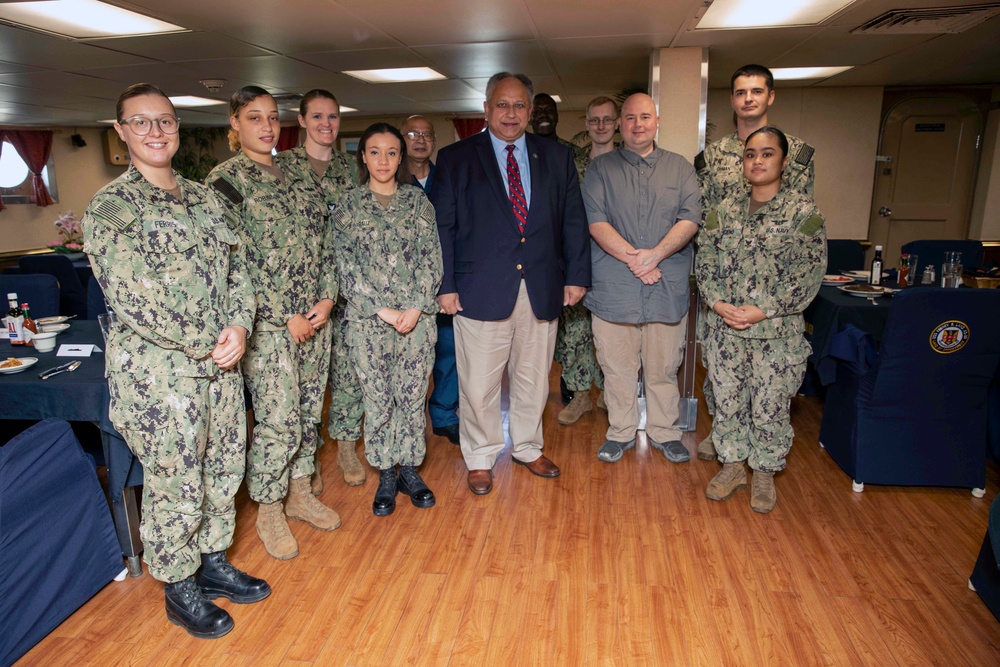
(190, 609)
(385, 495)
(410, 484)
(217, 578)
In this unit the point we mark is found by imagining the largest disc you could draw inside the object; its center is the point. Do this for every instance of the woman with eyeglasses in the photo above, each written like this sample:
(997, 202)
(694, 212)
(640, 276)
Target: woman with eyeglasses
(760, 262)
(175, 274)
(389, 259)
(289, 243)
(333, 173)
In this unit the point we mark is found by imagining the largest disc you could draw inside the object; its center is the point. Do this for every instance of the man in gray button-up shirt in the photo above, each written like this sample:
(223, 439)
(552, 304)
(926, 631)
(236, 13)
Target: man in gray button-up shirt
(644, 206)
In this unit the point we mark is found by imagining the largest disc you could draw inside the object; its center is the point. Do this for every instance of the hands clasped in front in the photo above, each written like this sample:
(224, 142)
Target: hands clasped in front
(304, 326)
(402, 321)
(739, 318)
(644, 264)
(230, 346)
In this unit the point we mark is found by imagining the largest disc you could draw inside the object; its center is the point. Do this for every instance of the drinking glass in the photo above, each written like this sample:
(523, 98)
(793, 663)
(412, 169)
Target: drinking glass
(108, 322)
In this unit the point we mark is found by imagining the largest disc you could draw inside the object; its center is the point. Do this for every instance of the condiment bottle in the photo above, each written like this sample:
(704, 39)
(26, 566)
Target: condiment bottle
(875, 278)
(15, 321)
(29, 324)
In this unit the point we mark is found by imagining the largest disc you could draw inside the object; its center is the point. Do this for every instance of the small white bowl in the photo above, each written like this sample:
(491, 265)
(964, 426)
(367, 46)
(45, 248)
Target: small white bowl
(44, 342)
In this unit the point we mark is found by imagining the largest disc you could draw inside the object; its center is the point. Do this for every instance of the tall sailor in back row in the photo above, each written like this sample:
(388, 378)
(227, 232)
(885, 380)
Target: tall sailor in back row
(282, 220)
(175, 274)
(720, 174)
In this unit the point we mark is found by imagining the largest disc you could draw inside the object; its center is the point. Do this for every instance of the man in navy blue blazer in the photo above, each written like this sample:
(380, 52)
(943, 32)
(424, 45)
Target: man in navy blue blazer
(516, 249)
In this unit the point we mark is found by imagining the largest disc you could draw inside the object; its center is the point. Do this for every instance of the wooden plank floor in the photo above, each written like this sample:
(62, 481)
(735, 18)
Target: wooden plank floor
(623, 564)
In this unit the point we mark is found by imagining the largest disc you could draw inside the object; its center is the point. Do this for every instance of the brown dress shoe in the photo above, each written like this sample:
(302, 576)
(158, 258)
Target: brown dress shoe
(480, 482)
(541, 466)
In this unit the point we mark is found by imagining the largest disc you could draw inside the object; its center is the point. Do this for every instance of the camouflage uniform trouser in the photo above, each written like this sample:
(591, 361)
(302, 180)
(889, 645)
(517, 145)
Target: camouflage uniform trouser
(705, 335)
(347, 405)
(755, 380)
(287, 383)
(190, 436)
(575, 349)
(394, 371)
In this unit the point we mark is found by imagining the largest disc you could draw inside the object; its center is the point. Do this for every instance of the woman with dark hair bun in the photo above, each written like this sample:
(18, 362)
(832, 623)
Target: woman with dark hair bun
(389, 258)
(333, 173)
(290, 256)
(761, 258)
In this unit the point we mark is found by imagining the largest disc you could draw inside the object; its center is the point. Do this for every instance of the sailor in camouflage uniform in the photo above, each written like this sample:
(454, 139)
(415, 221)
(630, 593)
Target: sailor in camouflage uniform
(175, 275)
(289, 243)
(575, 336)
(761, 258)
(574, 350)
(389, 258)
(333, 173)
(720, 174)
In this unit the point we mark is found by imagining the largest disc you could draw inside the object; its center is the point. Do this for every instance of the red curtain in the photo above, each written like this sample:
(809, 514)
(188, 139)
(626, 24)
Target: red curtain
(466, 127)
(289, 138)
(34, 147)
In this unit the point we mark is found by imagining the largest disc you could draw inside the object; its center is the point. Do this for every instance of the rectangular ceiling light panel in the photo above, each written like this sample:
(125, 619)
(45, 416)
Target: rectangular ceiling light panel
(396, 75)
(83, 19)
(737, 14)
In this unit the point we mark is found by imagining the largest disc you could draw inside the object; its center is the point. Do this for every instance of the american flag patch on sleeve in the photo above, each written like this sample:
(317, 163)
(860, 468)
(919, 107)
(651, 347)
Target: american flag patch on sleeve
(116, 215)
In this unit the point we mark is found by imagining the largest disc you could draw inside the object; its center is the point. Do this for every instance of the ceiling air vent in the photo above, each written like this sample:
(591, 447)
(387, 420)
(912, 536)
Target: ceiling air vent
(928, 21)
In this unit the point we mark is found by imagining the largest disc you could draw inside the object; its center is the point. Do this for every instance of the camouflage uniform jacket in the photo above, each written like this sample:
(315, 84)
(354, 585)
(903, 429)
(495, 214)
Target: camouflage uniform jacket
(288, 236)
(173, 271)
(575, 149)
(341, 174)
(773, 259)
(388, 257)
(720, 170)
(581, 161)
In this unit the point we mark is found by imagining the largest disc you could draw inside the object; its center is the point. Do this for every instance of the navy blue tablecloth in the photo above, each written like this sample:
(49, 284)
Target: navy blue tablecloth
(81, 395)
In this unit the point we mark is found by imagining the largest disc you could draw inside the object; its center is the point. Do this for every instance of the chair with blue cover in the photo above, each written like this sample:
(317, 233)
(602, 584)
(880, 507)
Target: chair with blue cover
(95, 299)
(39, 290)
(917, 415)
(985, 579)
(72, 295)
(844, 255)
(58, 540)
(932, 252)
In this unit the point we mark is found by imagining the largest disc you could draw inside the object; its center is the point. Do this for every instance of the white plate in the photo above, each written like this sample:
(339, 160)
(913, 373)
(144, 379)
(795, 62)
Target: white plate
(26, 363)
(837, 280)
(865, 295)
(53, 328)
(45, 321)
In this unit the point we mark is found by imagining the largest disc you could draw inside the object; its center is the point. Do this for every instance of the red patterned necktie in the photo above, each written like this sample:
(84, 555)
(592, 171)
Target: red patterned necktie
(517, 199)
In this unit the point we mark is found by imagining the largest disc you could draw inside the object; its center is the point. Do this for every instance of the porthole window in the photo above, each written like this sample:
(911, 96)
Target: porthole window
(15, 179)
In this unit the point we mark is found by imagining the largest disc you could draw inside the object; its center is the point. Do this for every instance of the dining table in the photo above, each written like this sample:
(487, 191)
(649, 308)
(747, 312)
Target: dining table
(79, 396)
(831, 311)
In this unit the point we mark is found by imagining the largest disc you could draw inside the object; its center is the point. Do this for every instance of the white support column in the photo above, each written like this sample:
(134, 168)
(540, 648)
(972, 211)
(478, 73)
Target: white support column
(678, 83)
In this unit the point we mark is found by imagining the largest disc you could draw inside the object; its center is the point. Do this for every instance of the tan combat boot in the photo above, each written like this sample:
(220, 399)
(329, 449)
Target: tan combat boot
(317, 479)
(302, 505)
(706, 448)
(578, 407)
(274, 533)
(730, 479)
(347, 461)
(763, 497)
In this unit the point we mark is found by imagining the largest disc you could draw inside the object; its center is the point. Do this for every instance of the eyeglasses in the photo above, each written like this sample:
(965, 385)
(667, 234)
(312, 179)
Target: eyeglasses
(142, 125)
(594, 122)
(413, 136)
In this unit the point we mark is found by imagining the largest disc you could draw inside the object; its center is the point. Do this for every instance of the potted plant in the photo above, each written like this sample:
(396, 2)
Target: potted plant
(70, 236)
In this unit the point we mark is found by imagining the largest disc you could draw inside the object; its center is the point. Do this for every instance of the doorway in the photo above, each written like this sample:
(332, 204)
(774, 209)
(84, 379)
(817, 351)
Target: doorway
(928, 151)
